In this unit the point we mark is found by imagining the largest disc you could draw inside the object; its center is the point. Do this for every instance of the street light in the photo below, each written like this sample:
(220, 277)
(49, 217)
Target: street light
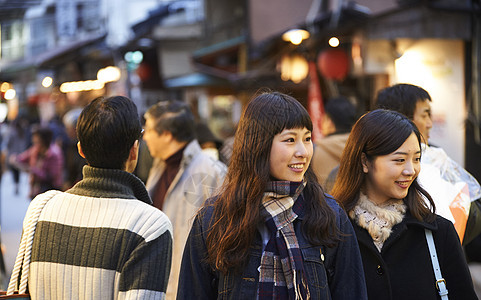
(10, 94)
(295, 36)
(109, 74)
(334, 42)
(47, 81)
(4, 87)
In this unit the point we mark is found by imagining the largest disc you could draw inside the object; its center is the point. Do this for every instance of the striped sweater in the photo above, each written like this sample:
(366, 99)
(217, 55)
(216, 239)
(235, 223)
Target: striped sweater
(98, 241)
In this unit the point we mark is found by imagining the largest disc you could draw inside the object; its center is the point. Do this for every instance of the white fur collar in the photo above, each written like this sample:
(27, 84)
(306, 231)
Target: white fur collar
(378, 220)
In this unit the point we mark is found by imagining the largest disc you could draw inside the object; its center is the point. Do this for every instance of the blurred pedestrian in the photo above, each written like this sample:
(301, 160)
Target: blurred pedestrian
(74, 163)
(182, 177)
(102, 239)
(440, 176)
(377, 185)
(16, 142)
(209, 143)
(271, 233)
(43, 161)
(340, 115)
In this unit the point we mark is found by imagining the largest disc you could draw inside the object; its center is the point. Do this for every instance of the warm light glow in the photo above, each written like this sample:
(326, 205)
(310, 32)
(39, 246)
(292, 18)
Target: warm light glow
(334, 42)
(295, 36)
(294, 68)
(410, 66)
(79, 86)
(10, 94)
(109, 74)
(47, 81)
(3, 112)
(4, 87)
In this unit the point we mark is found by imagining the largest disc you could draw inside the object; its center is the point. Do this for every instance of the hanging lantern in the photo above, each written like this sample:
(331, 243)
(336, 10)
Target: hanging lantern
(333, 63)
(294, 68)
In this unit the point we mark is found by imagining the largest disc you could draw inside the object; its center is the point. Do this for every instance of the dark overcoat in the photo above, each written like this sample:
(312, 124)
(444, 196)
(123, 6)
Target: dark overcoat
(403, 269)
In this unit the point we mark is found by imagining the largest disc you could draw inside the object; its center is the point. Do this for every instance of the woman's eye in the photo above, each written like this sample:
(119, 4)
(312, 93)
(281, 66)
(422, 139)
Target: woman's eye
(290, 140)
(308, 139)
(418, 159)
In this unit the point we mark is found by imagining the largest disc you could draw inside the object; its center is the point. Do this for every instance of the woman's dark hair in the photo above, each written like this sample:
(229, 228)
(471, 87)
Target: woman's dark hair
(237, 208)
(378, 133)
(107, 129)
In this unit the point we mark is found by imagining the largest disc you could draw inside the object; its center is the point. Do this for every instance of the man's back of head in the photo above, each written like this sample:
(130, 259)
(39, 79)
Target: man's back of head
(342, 113)
(107, 129)
(402, 98)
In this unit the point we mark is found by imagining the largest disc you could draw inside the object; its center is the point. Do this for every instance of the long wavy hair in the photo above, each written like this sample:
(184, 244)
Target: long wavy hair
(237, 208)
(377, 133)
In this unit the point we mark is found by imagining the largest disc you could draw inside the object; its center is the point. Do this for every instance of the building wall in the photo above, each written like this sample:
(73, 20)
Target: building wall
(175, 58)
(224, 20)
(273, 17)
(438, 66)
(119, 15)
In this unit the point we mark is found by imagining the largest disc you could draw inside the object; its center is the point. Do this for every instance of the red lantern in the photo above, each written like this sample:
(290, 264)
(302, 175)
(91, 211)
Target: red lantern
(333, 63)
(144, 71)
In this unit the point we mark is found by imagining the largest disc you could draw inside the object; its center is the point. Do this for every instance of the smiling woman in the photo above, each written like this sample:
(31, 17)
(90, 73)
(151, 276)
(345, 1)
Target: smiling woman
(291, 154)
(272, 233)
(393, 215)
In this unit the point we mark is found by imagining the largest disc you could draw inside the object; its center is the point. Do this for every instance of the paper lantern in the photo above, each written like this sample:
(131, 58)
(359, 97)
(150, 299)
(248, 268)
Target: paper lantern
(333, 63)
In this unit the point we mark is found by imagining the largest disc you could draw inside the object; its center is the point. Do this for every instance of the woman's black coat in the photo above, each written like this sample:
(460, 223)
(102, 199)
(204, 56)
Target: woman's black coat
(403, 269)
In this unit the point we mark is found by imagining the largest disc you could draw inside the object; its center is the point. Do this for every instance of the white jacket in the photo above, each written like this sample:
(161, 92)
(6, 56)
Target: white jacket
(198, 179)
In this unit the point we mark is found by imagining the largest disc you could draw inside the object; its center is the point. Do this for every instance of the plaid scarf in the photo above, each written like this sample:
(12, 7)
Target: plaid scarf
(282, 273)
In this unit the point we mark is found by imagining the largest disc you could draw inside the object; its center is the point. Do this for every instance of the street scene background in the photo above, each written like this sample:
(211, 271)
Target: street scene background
(215, 55)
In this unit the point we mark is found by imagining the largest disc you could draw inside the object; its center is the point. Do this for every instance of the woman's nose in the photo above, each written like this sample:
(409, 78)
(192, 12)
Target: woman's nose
(301, 150)
(409, 169)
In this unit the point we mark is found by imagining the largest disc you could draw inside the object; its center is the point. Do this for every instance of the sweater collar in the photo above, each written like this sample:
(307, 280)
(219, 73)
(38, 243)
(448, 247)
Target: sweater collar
(110, 183)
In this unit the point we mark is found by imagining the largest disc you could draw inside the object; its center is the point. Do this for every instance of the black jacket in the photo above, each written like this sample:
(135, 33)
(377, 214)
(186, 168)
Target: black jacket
(403, 269)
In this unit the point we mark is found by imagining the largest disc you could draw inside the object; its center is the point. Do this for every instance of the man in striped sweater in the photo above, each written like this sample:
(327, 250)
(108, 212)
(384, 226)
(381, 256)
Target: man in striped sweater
(102, 239)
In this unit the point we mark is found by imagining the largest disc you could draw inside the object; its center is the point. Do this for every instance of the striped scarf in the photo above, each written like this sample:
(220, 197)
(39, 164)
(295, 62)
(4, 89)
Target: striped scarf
(282, 273)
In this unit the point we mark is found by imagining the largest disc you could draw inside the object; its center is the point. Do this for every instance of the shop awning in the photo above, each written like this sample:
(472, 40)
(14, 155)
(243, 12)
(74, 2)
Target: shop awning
(48, 57)
(195, 80)
(421, 21)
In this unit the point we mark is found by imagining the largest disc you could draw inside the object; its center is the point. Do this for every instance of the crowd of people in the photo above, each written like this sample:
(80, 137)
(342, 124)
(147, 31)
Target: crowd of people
(359, 214)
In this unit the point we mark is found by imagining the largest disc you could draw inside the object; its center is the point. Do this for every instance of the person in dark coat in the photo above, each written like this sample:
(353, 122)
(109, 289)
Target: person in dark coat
(440, 175)
(377, 184)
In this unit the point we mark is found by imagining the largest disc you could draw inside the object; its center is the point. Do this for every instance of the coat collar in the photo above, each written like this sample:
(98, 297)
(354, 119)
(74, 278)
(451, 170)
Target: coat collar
(190, 152)
(410, 220)
(397, 231)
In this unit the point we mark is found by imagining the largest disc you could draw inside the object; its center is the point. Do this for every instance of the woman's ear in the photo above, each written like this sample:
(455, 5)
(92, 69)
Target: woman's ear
(365, 163)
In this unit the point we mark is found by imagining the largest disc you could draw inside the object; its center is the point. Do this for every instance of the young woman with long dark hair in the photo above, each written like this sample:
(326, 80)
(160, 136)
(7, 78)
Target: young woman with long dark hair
(393, 216)
(271, 233)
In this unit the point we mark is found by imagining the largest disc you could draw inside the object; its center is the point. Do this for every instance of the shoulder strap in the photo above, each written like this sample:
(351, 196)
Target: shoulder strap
(22, 262)
(440, 282)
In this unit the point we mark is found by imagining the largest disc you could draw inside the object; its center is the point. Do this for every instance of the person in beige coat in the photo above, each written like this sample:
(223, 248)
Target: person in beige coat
(337, 122)
(182, 177)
